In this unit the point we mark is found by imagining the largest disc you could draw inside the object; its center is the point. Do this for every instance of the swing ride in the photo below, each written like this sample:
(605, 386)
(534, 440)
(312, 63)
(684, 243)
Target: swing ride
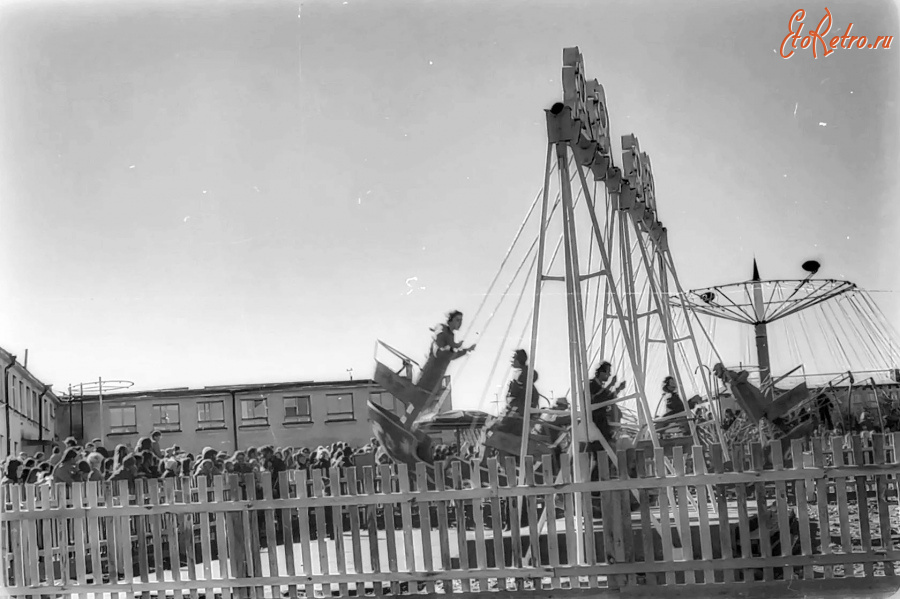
(830, 332)
(617, 292)
(628, 272)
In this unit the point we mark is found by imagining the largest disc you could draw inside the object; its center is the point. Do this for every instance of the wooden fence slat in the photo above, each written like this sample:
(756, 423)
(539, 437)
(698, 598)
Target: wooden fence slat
(122, 530)
(550, 513)
(32, 557)
(743, 514)
(122, 526)
(353, 518)
(66, 529)
(287, 530)
(624, 531)
(119, 492)
(531, 514)
(337, 518)
(80, 523)
(647, 534)
(187, 538)
(171, 525)
(390, 529)
(462, 545)
(301, 485)
(717, 461)
(425, 525)
(665, 512)
(528, 512)
(94, 524)
(493, 469)
(822, 504)
(205, 536)
(703, 506)
(585, 524)
(322, 529)
(156, 531)
(609, 515)
(266, 482)
(884, 514)
(251, 532)
(862, 505)
(47, 536)
(757, 460)
(784, 524)
(800, 492)
(566, 477)
(515, 516)
(238, 541)
(684, 518)
(840, 485)
(223, 541)
(372, 522)
(15, 536)
(403, 475)
(478, 508)
(110, 536)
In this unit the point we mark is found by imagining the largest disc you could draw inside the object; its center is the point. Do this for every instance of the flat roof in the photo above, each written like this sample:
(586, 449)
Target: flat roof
(222, 389)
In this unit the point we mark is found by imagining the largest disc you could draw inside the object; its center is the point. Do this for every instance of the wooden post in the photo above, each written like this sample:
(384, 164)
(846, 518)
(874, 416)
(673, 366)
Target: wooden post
(536, 311)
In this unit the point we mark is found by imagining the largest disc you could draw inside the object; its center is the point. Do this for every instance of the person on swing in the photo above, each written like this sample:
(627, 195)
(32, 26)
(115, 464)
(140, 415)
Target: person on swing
(444, 349)
(512, 419)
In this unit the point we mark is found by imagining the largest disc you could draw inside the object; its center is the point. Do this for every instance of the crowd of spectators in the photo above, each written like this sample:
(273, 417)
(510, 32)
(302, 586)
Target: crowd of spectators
(92, 461)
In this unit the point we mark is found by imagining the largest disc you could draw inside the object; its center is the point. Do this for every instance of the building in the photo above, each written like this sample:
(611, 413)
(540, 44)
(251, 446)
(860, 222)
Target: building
(30, 409)
(298, 414)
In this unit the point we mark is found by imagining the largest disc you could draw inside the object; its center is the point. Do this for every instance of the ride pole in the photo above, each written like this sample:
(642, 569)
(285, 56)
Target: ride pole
(100, 397)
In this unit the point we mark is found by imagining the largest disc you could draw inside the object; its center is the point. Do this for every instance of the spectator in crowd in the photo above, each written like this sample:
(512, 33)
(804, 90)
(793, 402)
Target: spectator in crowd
(66, 471)
(13, 472)
(154, 444)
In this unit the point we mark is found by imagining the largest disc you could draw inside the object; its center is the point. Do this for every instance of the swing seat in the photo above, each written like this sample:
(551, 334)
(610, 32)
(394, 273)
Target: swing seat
(399, 386)
(511, 444)
(402, 444)
(800, 431)
(787, 402)
(750, 399)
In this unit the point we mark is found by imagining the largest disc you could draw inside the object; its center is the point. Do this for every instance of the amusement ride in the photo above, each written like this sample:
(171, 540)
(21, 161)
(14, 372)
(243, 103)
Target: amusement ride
(601, 256)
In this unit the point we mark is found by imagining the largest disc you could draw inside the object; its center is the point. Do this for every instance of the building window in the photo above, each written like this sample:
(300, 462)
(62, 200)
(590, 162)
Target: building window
(34, 405)
(210, 414)
(167, 417)
(340, 406)
(297, 409)
(23, 398)
(122, 420)
(254, 412)
(385, 400)
(15, 394)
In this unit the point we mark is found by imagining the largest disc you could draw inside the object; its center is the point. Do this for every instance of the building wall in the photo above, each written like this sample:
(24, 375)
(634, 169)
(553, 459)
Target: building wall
(249, 416)
(28, 415)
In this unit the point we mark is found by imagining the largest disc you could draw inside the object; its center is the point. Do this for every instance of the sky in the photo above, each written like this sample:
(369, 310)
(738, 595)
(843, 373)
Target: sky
(197, 193)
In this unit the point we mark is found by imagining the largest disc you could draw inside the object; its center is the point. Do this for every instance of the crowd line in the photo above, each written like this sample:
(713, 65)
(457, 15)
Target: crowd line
(74, 462)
